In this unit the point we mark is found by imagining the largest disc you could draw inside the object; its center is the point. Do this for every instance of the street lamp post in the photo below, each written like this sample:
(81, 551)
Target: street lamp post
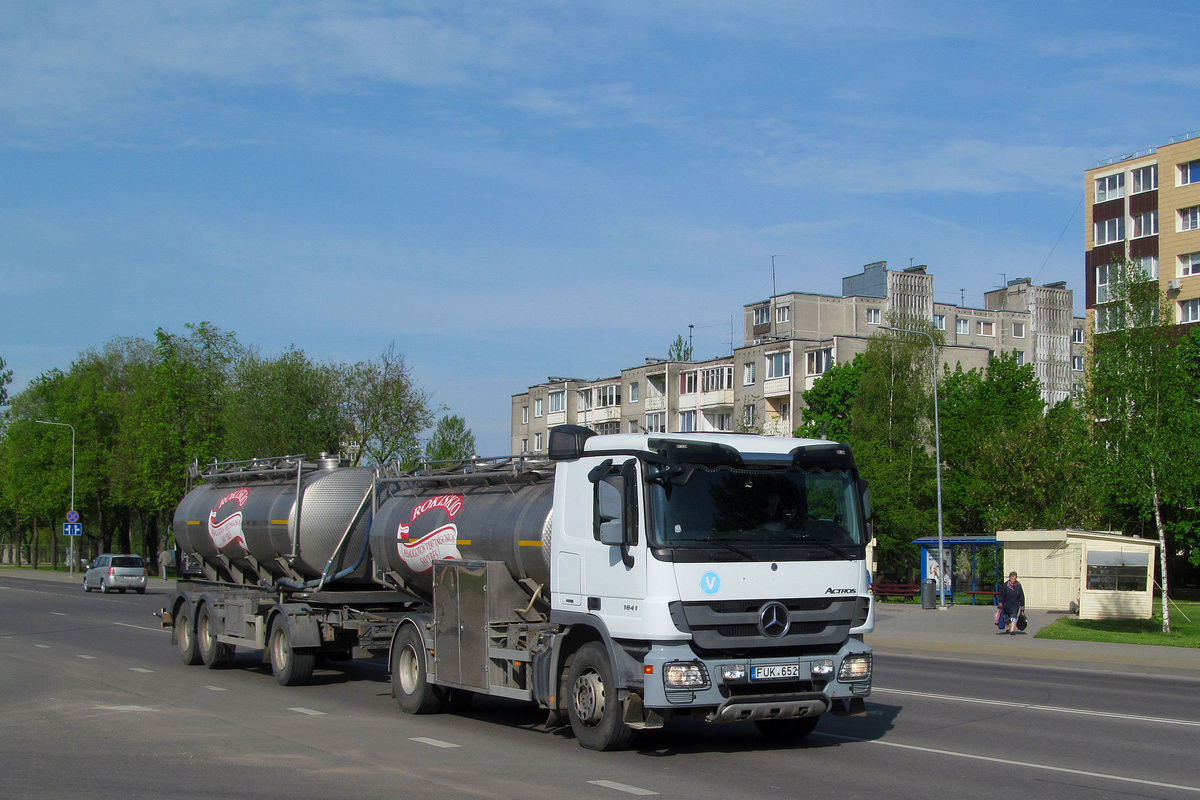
(71, 540)
(937, 448)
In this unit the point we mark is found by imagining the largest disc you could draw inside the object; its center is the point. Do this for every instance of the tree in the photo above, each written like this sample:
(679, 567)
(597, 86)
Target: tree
(828, 404)
(383, 410)
(1142, 398)
(452, 440)
(679, 350)
(280, 406)
(5, 379)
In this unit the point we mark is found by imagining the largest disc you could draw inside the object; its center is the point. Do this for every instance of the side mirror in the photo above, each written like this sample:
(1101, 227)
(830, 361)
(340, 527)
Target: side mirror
(609, 503)
(615, 514)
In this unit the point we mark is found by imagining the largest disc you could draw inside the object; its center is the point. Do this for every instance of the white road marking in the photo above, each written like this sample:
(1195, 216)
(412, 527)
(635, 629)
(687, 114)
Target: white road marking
(214, 688)
(141, 627)
(1037, 707)
(1013, 763)
(142, 670)
(43, 646)
(89, 658)
(309, 711)
(433, 742)
(58, 613)
(622, 787)
(123, 709)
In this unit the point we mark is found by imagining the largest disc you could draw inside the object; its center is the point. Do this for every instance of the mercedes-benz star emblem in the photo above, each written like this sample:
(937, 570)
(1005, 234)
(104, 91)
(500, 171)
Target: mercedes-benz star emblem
(773, 619)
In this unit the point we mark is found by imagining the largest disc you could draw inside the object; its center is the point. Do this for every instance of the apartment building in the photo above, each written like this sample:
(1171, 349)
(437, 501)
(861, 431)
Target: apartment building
(791, 340)
(1146, 206)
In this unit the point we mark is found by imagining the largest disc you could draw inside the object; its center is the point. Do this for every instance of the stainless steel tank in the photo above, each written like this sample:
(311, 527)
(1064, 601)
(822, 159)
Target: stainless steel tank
(508, 522)
(245, 529)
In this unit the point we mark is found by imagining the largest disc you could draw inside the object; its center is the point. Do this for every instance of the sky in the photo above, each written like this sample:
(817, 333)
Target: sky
(510, 191)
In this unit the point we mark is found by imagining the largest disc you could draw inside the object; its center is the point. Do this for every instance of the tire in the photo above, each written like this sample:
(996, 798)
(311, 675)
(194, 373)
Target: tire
(140, 591)
(122, 591)
(787, 730)
(214, 654)
(592, 702)
(410, 678)
(185, 638)
(103, 587)
(290, 667)
(86, 588)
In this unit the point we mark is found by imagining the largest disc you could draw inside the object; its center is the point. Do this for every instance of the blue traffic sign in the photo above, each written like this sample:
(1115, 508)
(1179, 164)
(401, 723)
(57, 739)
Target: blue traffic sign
(72, 529)
(72, 516)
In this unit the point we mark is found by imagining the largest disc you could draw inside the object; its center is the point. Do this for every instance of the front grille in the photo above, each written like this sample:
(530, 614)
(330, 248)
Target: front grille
(733, 625)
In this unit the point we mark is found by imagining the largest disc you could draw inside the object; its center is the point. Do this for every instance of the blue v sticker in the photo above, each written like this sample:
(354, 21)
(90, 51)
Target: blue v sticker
(710, 583)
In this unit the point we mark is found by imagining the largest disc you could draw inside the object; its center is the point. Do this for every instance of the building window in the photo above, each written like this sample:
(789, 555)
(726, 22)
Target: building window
(1189, 218)
(1019, 355)
(1109, 230)
(785, 411)
(1077, 363)
(1149, 265)
(524, 445)
(1077, 335)
(1018, 330)
(1189, 173)
(762, 315)
(779, 365)
(1145, 179)
(1117, 572)
(721, 421)
(716, 379)
(537, 407)
(985, 328)
(608, 428)
(633, 426)
(687, 382)
(558, 402)
(874, 316)
(537, 442)
(1189, 264)
(585, 399)
(656, 423)
(818, 361)
(633, 392)
(783, 313)
(962, 326)
(524, 415)
(687, 421)
(1110, 187)
(748, 373)
(1189, 311)
(608, 396)
(1103, 273)
(1145, 224)
(749, 415)
(939, 322)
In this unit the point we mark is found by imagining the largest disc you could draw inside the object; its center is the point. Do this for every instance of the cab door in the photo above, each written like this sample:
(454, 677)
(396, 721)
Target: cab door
(614, 550)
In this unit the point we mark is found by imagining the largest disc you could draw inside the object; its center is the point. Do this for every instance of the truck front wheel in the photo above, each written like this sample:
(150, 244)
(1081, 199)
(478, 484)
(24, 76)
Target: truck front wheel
(185, 637)
(214, 654)
(592, 707)
(291, 668)
(410, 679)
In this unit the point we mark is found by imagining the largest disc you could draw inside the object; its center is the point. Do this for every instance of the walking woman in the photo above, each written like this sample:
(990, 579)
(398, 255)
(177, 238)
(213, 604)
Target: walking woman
(1012, 602)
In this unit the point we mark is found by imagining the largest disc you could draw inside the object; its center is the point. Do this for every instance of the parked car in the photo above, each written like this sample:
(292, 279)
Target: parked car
(116, 572)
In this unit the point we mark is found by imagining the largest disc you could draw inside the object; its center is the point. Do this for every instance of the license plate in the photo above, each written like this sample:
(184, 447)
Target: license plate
(775, 672)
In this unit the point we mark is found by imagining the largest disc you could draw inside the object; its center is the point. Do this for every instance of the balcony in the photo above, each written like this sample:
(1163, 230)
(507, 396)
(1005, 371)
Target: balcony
(777, 427)
(717, 399)
(774, 387)
(656, 403)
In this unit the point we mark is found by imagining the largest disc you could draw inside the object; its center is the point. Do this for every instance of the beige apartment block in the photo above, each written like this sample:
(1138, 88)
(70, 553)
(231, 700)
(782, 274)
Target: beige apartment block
(791, 340)
(1146, 206)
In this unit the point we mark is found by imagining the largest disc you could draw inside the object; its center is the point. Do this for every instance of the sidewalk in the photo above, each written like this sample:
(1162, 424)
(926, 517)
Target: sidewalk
(968, 632)
(959, 632)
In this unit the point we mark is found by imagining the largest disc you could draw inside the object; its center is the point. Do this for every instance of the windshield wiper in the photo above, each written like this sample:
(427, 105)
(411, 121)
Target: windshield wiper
(729, 547)
(812, 542)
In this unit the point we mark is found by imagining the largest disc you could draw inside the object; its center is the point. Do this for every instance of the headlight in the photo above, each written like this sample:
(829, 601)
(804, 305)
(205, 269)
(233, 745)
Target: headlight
(855, 667)
(685, 675)
(733, 672)
(821, 667)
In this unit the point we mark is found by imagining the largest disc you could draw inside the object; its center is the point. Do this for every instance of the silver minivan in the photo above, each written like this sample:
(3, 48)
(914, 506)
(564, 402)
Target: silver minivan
(109, 572)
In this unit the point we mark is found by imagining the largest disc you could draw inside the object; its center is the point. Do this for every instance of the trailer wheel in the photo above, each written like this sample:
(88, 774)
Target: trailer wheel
(290, 666)
(214, 654)
(784, 730)
(185, 637)
(410, 678)
(592, 705)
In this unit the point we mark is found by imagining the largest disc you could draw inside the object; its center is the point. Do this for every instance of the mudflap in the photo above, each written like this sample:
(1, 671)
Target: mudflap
(849, 707)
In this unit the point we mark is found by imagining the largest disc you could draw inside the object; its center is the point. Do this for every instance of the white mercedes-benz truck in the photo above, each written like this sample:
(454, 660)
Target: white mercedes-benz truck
(626, 580)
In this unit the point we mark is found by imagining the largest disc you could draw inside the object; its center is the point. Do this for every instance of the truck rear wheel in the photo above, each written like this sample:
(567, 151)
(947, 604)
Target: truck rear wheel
(291, 668)
(410, 678)
(592, 706)
(185, 637)
(214, 654)
(787, 729)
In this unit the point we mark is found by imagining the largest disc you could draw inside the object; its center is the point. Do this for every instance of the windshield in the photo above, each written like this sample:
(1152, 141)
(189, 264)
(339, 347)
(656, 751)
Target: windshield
(740, 509)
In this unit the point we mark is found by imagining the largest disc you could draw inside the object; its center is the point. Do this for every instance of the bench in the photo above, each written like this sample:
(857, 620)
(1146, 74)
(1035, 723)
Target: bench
(884, 591)
(990, 596)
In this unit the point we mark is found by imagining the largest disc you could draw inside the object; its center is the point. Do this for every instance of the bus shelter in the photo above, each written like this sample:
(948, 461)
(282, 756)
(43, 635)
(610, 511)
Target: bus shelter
(969, 565)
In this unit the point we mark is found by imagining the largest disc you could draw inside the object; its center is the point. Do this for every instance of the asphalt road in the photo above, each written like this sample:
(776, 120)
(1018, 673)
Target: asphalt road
(94, 701)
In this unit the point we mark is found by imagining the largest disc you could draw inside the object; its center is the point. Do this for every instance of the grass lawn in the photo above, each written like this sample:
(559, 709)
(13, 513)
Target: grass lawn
(1132, 631)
